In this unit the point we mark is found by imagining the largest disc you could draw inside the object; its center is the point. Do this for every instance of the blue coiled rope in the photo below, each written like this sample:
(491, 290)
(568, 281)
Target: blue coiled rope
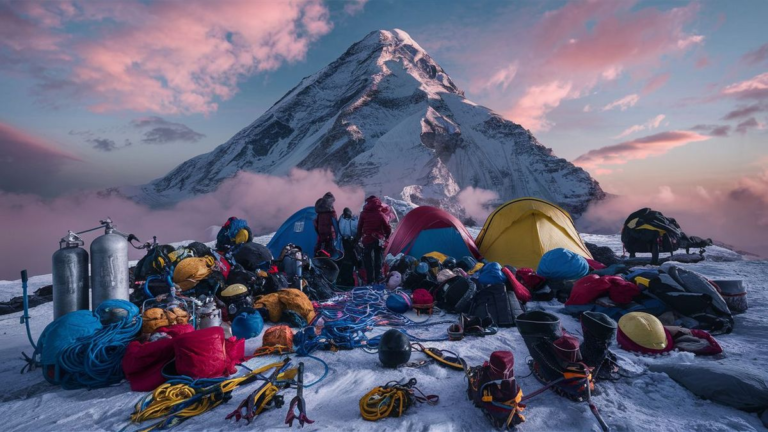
(348, 317)
(95, 361)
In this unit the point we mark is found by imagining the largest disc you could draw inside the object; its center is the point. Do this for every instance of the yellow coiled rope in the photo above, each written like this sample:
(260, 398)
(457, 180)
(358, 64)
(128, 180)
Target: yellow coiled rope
(392, 400)
(178, 402)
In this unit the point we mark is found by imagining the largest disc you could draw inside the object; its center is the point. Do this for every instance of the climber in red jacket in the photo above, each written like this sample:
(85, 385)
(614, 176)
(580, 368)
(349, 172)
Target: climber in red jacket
(374, 230)
(324, 224)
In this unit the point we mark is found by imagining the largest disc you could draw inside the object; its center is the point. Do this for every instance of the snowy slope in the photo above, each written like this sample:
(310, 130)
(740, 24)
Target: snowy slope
(649, 401)
(386, 117)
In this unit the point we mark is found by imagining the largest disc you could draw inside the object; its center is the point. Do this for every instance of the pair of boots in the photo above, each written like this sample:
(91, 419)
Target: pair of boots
(559, 359)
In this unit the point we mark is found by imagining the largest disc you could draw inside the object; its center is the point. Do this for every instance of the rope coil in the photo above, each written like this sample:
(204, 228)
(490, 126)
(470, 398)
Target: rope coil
(392, 400)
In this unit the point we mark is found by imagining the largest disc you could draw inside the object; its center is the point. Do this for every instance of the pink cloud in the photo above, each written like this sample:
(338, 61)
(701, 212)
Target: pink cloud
(354, 7)
(477, 202)
(641, 148)
(530, 110)
(756, 56)
(164, 57)
(656, 82)
(25, 160)
(243, 196)
(702, 62)
(581, 43)
(623, 103)
(753, 88)
(653, 123)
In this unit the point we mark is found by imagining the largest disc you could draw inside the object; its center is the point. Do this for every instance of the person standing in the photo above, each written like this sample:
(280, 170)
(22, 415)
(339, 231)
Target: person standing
(324, 224)
(373, 230)
(351, 260)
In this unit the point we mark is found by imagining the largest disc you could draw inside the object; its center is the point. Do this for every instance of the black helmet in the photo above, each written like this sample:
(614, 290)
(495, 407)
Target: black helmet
(449, 263)
(394, 349)
(406, 264)
(467, 263)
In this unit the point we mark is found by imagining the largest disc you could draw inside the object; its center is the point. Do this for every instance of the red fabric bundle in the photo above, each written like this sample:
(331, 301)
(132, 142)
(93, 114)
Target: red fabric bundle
(530, 279)
(143, 362)
(521, 292)
(595, 265)
(422, 297)
(587, 289)
(591, 287)
(622, 291)
(207, 353)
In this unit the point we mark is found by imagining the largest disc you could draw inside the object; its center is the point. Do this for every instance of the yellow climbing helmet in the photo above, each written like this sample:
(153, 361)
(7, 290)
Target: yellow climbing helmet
(640, 331)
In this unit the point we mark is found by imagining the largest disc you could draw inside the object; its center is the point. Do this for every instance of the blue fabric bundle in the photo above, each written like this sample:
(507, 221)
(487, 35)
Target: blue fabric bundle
(562, 264)
(247, 324)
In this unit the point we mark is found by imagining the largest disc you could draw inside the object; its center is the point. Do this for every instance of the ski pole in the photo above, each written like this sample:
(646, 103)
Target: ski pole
(25, 318)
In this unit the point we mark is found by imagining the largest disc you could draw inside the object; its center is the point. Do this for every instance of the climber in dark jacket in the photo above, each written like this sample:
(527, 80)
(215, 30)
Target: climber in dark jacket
(324, 224)
(374, 230)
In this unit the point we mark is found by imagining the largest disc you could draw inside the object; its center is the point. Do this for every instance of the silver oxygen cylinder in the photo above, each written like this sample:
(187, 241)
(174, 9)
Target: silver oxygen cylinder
(109, 267)
(70, 276)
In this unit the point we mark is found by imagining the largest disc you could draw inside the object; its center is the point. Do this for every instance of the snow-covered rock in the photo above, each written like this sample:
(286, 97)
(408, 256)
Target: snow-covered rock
(386, 117)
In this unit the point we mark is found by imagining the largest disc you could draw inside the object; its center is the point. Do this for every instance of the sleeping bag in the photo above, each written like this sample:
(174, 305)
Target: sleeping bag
(734, 386)
(692, 295)
(562, 264)
(207, 353)
(143, 362)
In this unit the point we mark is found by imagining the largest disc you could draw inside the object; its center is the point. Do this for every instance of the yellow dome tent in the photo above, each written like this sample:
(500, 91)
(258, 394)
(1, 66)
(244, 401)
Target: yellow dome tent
(520, 231)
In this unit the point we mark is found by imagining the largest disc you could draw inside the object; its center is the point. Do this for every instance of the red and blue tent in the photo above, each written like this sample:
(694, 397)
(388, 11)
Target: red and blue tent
(429, 229)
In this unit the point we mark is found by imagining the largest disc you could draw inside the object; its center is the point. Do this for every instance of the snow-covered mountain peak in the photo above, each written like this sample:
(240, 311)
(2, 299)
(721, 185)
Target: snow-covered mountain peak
(386, 117)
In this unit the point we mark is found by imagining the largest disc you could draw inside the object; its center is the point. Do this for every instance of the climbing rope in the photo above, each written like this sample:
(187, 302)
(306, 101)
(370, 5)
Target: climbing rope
(392, 400)
(95, 361)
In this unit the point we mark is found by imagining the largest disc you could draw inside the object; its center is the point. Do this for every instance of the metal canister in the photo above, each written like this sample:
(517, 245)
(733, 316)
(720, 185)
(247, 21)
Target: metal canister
(70, 276)
(109, 267)
(210, 315)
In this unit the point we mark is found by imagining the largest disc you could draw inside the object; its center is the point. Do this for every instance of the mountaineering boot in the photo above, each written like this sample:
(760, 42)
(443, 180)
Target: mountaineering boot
(599, 330)
(556, 356)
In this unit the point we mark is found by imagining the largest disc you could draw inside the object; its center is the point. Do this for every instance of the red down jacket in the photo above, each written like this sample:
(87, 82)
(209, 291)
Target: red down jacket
(373, 225)
(591, 287)
(143, 362)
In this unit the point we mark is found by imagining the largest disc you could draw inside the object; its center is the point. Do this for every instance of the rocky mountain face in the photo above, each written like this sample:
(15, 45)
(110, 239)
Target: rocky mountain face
(386, 117)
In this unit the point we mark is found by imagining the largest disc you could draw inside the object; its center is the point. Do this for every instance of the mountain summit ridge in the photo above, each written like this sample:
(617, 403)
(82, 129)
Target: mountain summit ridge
(386, 117)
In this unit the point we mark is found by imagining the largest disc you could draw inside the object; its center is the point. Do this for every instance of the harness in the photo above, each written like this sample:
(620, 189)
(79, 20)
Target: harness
(393, 399)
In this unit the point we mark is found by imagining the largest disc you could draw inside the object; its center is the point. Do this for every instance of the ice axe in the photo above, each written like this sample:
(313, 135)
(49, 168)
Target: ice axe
(298, 402)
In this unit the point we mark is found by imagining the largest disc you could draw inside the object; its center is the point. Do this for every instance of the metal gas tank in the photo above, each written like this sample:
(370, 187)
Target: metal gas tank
(70, 277)
(109, 268)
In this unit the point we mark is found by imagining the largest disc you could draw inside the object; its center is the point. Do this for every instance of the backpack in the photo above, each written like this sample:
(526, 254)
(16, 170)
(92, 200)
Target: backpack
(253, 256)
(648, 230)
(456, 294)
(492, 388)
(492, 301)
(234, 232)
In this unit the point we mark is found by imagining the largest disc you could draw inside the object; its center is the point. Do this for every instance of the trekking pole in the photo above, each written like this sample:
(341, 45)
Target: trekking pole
(25, 318)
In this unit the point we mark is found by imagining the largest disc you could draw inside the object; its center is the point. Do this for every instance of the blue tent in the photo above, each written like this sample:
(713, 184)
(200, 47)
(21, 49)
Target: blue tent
(299, 229)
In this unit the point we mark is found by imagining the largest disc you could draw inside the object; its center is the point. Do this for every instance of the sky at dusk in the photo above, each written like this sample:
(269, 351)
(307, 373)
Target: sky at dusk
(663, 99)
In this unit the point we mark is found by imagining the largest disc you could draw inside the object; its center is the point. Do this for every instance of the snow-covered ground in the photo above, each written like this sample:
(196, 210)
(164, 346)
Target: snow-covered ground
(649, 401)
